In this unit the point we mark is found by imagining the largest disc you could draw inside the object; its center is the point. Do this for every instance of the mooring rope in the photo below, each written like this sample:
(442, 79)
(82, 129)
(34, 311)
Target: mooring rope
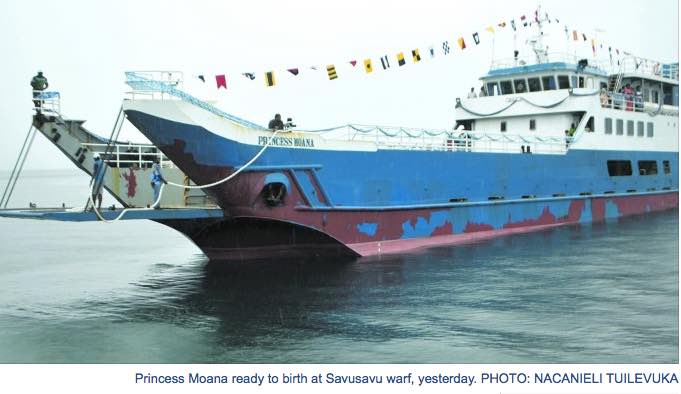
(160, 194)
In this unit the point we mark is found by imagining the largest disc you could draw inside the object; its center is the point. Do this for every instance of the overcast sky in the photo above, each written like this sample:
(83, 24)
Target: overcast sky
(85, 46)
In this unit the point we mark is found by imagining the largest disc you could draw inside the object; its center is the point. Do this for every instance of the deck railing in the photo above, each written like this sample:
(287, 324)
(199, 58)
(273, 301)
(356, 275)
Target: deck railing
(627, 64)
(130, 155)
(387, 137)
(47, 102)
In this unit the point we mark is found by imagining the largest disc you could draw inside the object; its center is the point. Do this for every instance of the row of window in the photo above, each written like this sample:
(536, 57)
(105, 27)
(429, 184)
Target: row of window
(645, 167)
(537, 84)
(641, 129)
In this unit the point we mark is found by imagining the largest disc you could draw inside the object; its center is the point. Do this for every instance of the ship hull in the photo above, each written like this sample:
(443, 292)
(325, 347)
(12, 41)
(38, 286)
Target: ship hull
(358, 203)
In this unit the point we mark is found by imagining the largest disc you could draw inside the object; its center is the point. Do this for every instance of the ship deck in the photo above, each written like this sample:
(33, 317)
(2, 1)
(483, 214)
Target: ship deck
(77, 215)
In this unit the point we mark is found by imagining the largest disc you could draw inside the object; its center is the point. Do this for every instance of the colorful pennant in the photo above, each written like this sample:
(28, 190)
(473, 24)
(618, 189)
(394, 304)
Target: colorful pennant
(385, 63)
(269, 79)
(293, 71)
(367, 66)
(476, 38)
(331, 70)
(221, 81)
(400, 59)
(415, 55)
(462, 43)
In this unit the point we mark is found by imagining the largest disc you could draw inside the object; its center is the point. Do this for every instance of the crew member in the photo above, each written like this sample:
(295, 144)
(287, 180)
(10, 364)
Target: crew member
(38, 83)
(98, 179)
(156, 179)
(276, 123)
(472, 94)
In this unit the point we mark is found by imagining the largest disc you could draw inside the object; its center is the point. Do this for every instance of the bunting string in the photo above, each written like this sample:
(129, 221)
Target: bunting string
(443, 48)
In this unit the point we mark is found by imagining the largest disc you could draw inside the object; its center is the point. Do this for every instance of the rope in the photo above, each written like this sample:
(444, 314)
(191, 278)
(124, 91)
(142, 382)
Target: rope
(517, 99)
(11, 179)
(160, 194)
(459, 105)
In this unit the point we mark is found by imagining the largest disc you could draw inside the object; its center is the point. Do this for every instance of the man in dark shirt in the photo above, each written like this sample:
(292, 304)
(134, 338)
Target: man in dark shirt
(276, 123)
(38, 83)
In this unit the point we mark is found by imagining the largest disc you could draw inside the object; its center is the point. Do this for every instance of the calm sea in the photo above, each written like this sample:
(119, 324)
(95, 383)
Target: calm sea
(138, 292)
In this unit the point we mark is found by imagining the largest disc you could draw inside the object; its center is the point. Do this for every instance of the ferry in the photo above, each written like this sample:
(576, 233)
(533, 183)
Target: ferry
(555, 141)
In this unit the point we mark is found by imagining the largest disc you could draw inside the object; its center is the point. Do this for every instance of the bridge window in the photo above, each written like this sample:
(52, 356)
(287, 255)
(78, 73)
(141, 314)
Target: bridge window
(630, 128)
(647, 167)
(503, 126)
(563, 82)
(534, 84)
(619, 167)
(520, 86)
(667, 168)
(492, 89)
(608, 125)
(620, 126)
(549, 82)
(640, 129)
(533, 124)
(580, 82)
(650, 129)
(506, 87)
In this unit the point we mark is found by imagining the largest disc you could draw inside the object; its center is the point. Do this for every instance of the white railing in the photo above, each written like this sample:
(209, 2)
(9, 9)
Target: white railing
(130, 155)
(401, 138)
(172, 79)
(635, 103)
(46, 101)
(633, 65)
(628, 64)
(551, 57)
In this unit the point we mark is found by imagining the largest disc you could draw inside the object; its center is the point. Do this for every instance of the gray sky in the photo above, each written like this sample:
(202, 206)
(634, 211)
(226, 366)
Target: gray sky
(85, 46)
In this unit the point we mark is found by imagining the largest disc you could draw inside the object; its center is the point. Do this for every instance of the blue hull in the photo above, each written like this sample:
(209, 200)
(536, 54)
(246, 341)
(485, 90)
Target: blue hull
(407, 199)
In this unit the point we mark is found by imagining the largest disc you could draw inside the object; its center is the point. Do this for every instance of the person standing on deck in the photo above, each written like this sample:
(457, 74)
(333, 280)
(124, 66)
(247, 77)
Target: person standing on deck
(472, 94)
(629, 96)
(38, 83)
(276, 123)
(98, 179)
(156, 179)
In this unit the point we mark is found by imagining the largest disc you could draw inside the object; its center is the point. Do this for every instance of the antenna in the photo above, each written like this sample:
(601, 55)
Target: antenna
(535, 42)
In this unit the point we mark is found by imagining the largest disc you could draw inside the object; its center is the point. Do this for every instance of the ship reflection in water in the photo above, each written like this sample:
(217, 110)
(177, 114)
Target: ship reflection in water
(599, 293)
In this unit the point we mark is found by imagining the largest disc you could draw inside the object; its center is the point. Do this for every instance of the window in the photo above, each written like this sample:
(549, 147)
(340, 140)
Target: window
(608, 125)
(630, 128)
(503, 126)
(590, 83)
(534, 84)
(574, 80)
(667, 168)
(549, 82)
(563, 82)
(620, 126)
(506, 87)
(640, 129)
(589, 128)
(533, 124)
(619, 167)
(650, 129)
(492, 89)
(580, 82)
(647, 167)
(520, 86)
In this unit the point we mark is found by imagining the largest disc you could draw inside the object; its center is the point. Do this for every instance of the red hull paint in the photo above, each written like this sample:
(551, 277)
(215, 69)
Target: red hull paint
(384, 230)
